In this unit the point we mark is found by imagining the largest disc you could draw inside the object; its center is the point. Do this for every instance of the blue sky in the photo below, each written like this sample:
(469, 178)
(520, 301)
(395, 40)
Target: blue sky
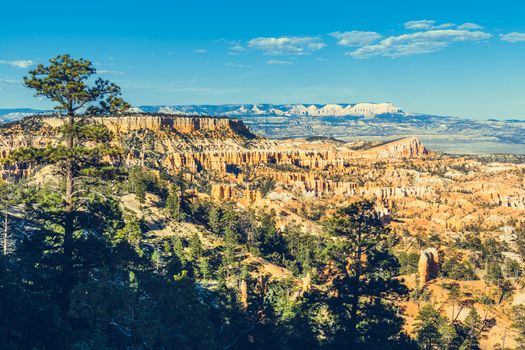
(462, 58)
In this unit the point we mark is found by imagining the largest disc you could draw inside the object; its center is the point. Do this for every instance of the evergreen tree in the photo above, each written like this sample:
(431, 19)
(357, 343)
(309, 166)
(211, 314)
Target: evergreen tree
(179, 190)
(472, 326)
(71, 85)
(227, 262)
(196, 248)
(204, 267)
(454, 296)
(427, 328)
(271, 240)
(9, 196)
(520, 241)
(139, 180)
(519, 325)
(363, 280)
(450, 339)
(178, 249)
(215, 219)
(156, 260)
(173, 205)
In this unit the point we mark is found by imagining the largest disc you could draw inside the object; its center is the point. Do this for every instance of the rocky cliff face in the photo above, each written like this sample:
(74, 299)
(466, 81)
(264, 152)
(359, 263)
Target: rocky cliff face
(443, 193)
(401, 173)
(156, 123)
(276, 154)
(224, 145)
(408, 147)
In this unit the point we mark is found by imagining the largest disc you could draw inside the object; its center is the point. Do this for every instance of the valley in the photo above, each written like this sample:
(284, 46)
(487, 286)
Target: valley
(427, 199)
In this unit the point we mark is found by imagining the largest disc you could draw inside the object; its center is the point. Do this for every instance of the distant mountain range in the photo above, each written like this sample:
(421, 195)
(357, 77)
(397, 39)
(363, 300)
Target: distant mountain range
(12, 114)
(376, 121)
(368, 110)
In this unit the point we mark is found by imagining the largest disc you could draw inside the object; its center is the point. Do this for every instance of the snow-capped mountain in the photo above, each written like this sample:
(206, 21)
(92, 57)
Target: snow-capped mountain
(12, 114)
(337, 110)
(380, 121)
(368, 110)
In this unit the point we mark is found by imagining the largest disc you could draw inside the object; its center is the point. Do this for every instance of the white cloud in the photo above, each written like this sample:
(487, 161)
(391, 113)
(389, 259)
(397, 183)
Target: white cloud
(200, 51)
(292, 46)
(277, 62)
(470, 26)
(513, 37)
(355, 38)
(419, 25)
(18, 63)
(418, 43)
(424, 36)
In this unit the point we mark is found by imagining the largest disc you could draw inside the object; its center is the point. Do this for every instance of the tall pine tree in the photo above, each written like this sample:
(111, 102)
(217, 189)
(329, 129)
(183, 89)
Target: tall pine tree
(74, 88)
(362, 280)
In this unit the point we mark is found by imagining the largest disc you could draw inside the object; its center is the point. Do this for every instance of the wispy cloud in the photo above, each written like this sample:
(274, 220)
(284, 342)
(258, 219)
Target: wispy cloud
(236, 49)
(8, 84)
(200, 51)
(279, 62)
(290, 46)
(201, 90)
(470, 26)
(418, 43)
(427, 24)
(355, 38)
(235, 65)
(110, 72)
(513, 37)
(190, 89)
(18, 63)
(420, 24)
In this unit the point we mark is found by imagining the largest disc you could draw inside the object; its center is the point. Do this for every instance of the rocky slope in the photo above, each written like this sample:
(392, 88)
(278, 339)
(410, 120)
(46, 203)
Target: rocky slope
(422, 194)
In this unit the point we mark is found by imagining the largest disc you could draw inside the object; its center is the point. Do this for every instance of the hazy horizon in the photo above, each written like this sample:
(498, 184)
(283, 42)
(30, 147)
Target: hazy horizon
(488, 117)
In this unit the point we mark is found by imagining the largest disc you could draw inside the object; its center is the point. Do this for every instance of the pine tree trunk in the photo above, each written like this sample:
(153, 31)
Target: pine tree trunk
(67, 267)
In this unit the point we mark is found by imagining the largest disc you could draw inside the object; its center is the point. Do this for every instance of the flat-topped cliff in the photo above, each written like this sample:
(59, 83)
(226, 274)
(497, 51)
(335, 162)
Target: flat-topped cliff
(160, 122)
